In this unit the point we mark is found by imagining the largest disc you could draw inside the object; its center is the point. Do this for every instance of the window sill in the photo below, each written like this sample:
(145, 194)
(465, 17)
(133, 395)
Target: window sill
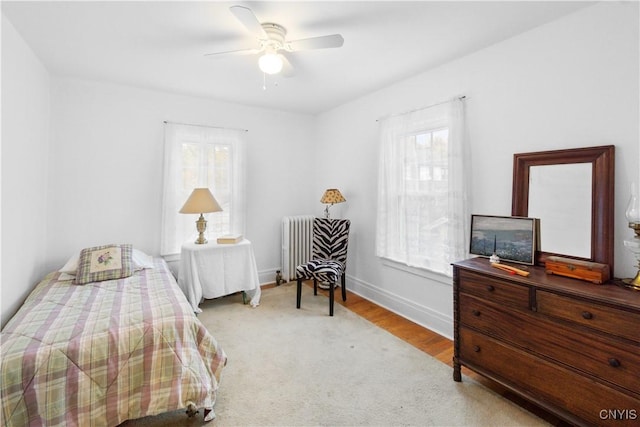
(428, 274)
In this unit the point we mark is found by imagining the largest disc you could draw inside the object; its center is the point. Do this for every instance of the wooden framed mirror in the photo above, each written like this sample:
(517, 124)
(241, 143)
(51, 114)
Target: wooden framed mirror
(591, 168)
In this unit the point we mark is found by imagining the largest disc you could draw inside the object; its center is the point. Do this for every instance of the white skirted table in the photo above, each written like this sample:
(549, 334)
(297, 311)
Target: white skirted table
(213, 270)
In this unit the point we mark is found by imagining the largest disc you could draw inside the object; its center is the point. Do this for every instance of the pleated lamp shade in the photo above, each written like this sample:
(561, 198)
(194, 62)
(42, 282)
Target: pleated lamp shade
(332, 196)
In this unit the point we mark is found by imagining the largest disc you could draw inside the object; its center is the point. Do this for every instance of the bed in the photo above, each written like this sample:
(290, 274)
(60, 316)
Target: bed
(107, 350)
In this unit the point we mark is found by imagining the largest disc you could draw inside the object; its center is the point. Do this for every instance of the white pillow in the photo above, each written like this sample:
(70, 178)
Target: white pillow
(66, 276)
(71, 266)
(140, 261)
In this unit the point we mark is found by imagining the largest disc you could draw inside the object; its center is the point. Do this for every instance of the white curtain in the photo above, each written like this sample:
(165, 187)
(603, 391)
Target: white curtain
(423, 217)
(200, 156)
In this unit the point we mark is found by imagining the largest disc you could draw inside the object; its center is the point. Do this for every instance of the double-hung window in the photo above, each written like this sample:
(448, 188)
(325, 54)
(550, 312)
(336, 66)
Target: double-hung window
(422, 218)
(201, 156)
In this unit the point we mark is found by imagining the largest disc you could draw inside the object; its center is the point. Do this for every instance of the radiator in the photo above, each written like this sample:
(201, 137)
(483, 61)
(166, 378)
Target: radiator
(297, 236)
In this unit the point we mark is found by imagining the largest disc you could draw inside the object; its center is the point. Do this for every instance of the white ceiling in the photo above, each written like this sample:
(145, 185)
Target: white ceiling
(161, 45)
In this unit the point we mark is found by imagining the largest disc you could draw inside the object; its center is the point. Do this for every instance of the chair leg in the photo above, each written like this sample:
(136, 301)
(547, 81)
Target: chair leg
(331, 287)
(344, 288)
(315, 286)
(299, 293)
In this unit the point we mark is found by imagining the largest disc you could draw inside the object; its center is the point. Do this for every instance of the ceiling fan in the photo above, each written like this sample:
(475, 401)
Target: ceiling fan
(272, 42)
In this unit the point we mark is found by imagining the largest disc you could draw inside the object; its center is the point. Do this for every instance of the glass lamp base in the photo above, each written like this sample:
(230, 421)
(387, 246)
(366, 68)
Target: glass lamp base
(633, 246)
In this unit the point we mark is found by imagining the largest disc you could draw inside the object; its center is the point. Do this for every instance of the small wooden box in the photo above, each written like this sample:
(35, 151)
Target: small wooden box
(584, 270)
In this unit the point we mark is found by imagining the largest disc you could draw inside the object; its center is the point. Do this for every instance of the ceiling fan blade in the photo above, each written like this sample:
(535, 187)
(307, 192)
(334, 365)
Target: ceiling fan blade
(287, 68)
(322, 42)
(249, 20)
(234, 52)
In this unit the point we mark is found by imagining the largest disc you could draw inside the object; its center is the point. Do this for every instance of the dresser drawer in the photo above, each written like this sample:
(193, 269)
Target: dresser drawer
(608, 359)
(492, 319)
(603, 318)
(494, 290)
(544, 381)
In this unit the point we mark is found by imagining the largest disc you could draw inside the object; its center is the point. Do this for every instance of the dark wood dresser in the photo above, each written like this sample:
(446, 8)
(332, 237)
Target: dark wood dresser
(571, 347)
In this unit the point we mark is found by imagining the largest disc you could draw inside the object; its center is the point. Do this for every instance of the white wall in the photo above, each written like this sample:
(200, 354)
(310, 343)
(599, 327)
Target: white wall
(107, 159)
(571, 83)
(25, 147)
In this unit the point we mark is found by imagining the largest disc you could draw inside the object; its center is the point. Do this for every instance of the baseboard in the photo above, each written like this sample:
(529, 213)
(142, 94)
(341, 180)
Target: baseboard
(435, 321)
(267, 276)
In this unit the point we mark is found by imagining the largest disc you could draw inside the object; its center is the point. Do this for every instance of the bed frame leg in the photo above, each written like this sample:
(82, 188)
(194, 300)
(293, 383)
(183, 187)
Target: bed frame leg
(192, 410)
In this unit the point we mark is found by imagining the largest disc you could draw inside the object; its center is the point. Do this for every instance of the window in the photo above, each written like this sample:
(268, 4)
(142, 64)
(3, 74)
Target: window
(422, 215)
(200, 156)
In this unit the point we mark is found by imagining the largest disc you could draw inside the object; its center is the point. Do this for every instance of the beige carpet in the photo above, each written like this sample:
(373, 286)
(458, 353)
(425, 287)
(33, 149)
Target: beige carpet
(294, 367)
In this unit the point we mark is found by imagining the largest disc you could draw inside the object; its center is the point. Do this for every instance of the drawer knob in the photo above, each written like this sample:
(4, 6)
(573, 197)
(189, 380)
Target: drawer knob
(587, 315)
(614, 362)
(476, 348)
(490, 288)
(476, 312)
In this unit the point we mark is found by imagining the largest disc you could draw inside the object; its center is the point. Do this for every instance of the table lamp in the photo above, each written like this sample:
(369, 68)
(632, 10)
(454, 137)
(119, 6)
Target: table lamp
(330, 197)
(633, 245)
(200, 201)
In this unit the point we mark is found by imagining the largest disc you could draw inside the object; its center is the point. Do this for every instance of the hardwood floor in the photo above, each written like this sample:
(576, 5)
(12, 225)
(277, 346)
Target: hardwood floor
(435, 345)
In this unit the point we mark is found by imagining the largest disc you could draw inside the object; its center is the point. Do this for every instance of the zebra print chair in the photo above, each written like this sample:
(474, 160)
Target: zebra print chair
(328, 258)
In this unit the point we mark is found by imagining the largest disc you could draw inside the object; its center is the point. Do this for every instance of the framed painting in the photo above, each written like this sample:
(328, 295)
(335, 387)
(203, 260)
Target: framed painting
(509, 237)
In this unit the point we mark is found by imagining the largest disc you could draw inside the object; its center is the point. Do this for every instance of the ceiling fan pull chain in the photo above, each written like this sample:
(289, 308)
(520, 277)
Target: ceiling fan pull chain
(264, 81)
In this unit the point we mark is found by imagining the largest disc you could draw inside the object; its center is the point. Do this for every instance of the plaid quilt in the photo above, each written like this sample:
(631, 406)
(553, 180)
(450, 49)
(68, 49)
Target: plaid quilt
(105, 352)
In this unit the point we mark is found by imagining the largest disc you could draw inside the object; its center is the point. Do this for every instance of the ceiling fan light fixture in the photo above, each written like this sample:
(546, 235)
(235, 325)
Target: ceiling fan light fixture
(272, 39)
(270, 63)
